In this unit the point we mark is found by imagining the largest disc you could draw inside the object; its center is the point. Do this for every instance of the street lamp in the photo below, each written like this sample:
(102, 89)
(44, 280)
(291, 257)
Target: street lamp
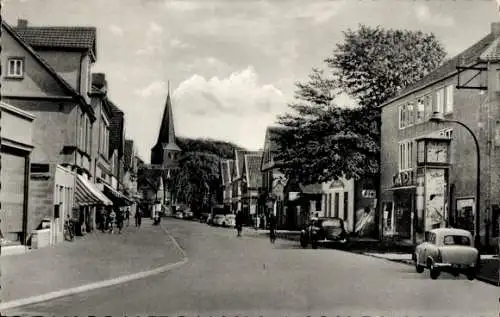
(438, 117)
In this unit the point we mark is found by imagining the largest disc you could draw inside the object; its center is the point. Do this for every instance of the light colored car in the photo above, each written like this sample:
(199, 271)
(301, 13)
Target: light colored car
(179, 215)
(188, 214)
(230, 221)
(219, 220)
(447, 249)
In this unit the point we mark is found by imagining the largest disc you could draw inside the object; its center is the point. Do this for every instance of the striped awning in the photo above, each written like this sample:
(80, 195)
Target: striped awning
(117, 197)
(87, 194)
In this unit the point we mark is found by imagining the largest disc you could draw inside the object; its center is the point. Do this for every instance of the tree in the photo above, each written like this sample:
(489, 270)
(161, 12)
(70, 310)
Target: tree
(325, 141)
(198, 178)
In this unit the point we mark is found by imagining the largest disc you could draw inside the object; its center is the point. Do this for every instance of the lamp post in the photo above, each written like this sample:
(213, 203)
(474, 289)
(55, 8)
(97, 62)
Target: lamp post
(438, 117)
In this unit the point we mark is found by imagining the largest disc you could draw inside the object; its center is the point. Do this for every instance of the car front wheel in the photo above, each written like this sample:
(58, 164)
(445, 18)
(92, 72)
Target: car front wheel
(419, 268)
(471, 274)
(435, 272)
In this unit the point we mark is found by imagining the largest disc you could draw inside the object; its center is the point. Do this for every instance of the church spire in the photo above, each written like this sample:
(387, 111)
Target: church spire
(166, 137)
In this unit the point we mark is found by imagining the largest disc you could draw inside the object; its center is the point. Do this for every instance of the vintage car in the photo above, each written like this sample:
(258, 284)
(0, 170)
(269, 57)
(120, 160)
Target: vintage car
(230, 221)
(447, 249)
(322, 231)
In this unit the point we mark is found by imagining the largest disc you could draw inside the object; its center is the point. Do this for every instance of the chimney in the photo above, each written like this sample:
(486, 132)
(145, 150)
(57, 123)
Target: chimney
(22, 23)
(495, 29)
(99, 80)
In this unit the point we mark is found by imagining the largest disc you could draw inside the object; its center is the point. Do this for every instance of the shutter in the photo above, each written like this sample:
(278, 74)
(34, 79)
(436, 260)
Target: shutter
(12, 193)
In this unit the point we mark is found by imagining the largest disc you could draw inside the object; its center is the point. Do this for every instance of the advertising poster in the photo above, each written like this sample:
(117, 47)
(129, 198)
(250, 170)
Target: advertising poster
(435, 197)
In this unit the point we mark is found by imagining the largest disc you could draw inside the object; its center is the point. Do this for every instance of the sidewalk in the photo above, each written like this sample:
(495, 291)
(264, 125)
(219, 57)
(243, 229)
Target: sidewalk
(396, 251)
(92, 258)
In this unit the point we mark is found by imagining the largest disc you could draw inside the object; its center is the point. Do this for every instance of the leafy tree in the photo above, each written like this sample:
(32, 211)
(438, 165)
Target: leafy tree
(198, 178)
(325, 141)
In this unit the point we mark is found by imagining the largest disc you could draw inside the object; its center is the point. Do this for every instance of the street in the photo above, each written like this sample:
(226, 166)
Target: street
(230, 276)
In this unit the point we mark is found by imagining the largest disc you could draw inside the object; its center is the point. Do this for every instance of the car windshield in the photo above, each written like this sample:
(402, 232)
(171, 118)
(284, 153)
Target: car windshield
(331, 223)
(456, 240)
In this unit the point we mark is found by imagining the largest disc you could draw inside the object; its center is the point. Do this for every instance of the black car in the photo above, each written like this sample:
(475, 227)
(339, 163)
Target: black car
(322, 231)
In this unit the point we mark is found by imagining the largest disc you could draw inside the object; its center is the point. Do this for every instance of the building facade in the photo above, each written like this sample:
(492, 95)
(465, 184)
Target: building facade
(17, 145)
(428, 171)
(251, 187)
(48, 74)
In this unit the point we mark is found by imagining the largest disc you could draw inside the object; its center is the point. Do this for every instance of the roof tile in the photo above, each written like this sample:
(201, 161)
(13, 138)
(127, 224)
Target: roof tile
(60, 37)
(254, 175)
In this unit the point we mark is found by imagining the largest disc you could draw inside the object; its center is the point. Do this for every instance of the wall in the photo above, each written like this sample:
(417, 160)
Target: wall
(41, 197)
(36, 81)
(50, 127)
(66, 64)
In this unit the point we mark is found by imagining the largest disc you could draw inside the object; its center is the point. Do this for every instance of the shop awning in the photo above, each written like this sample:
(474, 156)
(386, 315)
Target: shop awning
(87, 194)
(117, 197)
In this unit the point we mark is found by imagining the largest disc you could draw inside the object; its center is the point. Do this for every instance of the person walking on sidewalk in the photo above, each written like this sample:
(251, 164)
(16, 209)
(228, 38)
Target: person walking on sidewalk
(112, 220)
(119, 220)
(138, 217)
(272, 227)
(239, 222)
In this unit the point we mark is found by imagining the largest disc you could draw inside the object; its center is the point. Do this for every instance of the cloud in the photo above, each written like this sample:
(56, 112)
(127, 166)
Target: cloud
(424, 15)
(154, 88)
(154, 42)
(319, 11)
(182, 5)
(177, 43)
(116, 30)
(236, 108)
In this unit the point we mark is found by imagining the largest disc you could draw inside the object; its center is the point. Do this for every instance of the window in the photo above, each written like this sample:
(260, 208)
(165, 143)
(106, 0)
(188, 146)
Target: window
(15, 67)
(448, 99)
(346, 205)
(420, 111)
(428, 107)
(456, 240)
(337, 202)
(406, 115)
(329, 205)
(402, 117)
(406, 155)
(410, 114)
(318, 205)
(440, 100)
(81, 135)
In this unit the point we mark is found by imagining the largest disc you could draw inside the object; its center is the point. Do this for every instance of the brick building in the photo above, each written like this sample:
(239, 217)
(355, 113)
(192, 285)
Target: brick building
(417, 195)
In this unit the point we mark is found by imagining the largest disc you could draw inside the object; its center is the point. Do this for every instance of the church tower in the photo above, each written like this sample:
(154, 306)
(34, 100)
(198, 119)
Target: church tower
(166, 153)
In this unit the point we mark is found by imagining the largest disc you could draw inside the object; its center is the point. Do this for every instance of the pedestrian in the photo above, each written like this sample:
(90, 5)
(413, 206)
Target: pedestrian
(272, 227)
(127, 215)
(138, 217)
(239, 222)
(112, 220)
(119, 220)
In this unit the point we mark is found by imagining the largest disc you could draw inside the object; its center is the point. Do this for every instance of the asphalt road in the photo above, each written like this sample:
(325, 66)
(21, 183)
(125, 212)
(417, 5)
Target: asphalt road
(247, 276)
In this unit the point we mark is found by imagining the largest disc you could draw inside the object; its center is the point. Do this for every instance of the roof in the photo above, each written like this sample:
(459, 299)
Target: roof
(74, 37)
(128, 153)
(450, 231)
(231, 167)
(253, 173)
(239, 155)
(116, 126)
(38, 58)
(226, 179)
(470, 56)
(166, 135)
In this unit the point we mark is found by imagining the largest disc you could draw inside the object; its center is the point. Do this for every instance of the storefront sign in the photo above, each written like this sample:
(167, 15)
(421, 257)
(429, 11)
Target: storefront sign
(39, 177)
(406, 178)
(435, 185)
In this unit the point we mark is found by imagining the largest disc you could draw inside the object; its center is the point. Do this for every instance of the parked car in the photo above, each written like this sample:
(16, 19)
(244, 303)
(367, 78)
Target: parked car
(447, 249)
(230, 221)
(188, 214)
(218, 220)
(322, 231)
(204, 217)
(179, 215)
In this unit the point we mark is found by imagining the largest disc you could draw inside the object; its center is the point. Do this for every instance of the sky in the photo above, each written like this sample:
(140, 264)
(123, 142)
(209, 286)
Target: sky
(232, 64)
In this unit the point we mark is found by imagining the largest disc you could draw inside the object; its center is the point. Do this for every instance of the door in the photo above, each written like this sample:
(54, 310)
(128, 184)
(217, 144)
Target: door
(12, 195)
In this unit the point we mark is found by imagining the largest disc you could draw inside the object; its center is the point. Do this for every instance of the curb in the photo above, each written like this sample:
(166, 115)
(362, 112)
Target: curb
(93, 286)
